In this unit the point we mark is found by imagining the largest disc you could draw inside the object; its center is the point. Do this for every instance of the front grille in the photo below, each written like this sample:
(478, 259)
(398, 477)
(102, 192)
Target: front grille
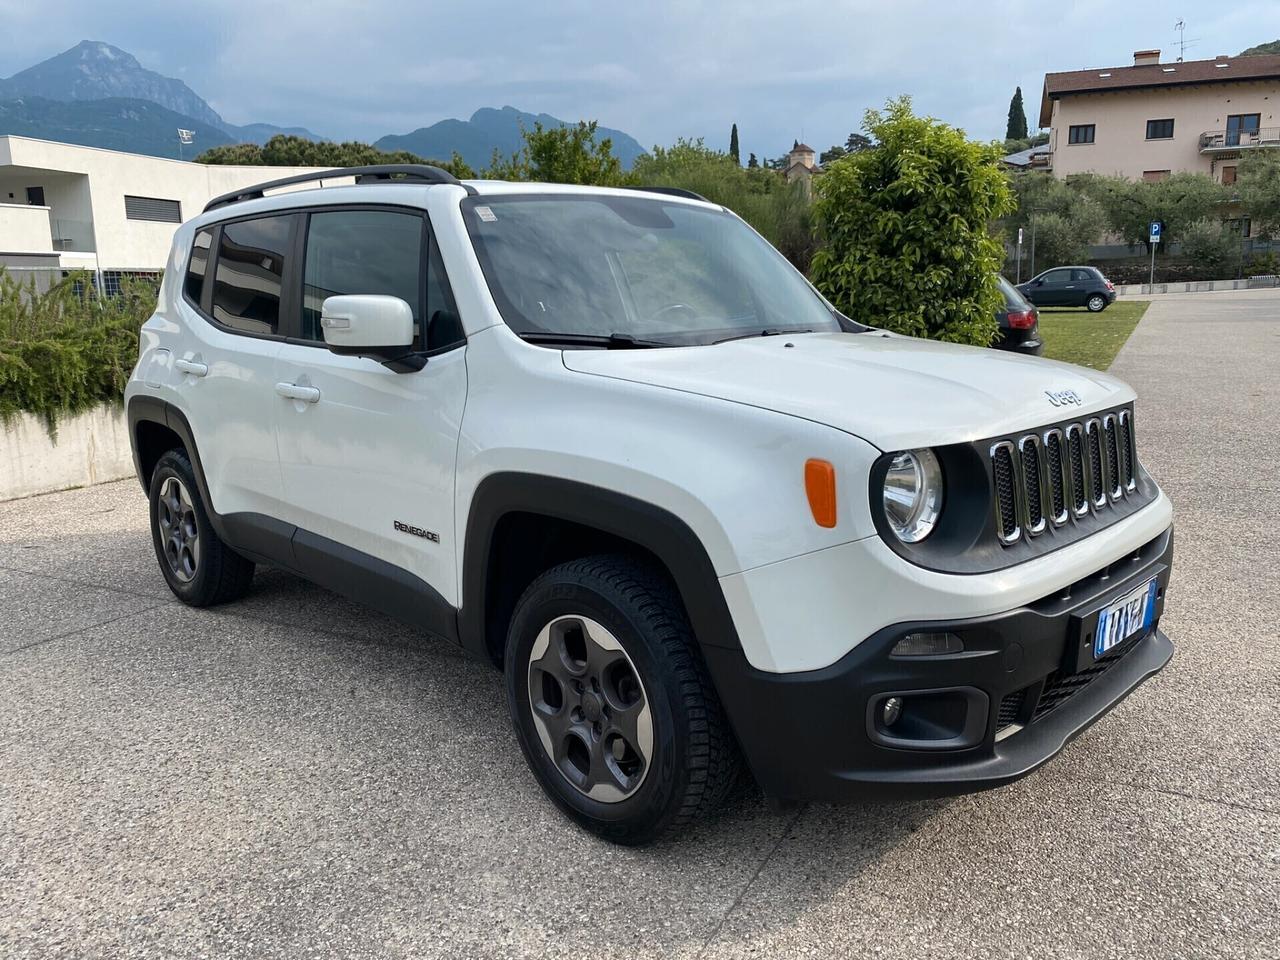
(1010, 709)
(1062, 472)
(1060, 687)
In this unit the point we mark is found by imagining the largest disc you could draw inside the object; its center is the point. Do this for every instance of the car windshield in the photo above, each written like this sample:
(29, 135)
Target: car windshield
(1013, 300)
(635, 268)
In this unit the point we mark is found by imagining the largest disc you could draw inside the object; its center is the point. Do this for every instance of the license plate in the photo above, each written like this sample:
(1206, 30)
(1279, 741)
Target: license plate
(1131, 614)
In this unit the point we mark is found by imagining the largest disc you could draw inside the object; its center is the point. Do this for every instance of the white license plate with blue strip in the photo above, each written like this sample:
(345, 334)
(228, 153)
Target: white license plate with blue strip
(1131, 614)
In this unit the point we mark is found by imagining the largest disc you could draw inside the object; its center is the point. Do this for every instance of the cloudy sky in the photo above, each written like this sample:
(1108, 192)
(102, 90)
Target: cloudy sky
(658, 70)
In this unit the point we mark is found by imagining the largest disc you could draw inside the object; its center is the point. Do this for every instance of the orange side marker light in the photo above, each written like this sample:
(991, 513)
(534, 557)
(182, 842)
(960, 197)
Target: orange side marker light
(820, 487)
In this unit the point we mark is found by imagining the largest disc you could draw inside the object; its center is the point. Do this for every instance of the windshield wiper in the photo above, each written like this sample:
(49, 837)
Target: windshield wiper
(766, 332)
(613, 341)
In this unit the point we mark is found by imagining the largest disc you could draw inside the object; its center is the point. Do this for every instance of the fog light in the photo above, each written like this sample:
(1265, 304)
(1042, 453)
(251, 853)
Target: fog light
(891, 711)
(927, 645)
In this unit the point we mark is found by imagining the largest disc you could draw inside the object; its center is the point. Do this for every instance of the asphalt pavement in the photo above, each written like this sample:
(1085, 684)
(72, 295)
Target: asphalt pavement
(297, 776)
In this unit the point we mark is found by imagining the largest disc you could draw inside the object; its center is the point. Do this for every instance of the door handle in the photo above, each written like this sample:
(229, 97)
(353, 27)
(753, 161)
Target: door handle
(192, 367)
(292, 391)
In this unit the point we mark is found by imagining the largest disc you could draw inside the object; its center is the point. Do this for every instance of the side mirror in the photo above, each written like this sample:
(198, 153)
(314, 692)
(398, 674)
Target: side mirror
(373, 326)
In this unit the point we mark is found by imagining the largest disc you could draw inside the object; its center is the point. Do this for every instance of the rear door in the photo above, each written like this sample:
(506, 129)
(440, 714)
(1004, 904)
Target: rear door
(1083, 283)
(224, 363)
(369, 464)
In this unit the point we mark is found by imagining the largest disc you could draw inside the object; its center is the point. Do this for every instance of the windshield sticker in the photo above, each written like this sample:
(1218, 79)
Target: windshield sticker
(485, 214)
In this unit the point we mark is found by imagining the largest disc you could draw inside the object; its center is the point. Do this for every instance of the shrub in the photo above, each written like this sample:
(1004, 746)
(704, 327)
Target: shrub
(1212, 247)
(906, 227)
(67, 350)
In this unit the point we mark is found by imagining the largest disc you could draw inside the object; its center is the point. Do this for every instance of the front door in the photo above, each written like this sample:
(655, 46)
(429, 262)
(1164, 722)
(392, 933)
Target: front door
(367, 456)
(1242, 128)
(1053, 288)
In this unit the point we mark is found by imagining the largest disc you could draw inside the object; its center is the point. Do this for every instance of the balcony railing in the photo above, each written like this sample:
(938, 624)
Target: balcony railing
(1212, 140)
(72, 235)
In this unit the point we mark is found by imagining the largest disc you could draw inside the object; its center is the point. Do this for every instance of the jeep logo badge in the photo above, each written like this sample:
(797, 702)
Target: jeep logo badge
(1064, 398)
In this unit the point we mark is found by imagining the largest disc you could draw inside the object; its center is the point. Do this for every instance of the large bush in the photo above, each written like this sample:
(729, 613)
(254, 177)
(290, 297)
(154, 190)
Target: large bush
(1213, 247)
(1258, 183)
(67, 350)
(906, 229)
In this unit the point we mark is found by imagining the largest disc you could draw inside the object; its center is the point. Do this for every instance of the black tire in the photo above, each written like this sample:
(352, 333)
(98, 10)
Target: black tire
(1096, 303)
(207, 571)
(694, 760)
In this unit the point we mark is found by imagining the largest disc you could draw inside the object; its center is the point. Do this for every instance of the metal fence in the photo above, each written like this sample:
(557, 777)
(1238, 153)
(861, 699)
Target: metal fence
(104, 282)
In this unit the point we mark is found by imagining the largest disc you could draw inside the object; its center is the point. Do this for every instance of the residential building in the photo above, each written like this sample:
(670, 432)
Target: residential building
(1153, 119)
(65, 207)
(801, 163)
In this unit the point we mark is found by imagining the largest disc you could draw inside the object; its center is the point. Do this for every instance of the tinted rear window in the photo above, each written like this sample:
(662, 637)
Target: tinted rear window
(197, 265)
(1013, 300)
(250, 273)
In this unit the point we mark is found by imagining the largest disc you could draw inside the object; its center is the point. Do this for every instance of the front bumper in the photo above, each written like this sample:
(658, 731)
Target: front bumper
(1025, 685)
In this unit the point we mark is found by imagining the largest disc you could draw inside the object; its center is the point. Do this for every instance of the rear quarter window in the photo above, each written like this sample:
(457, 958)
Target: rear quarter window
(197, 267)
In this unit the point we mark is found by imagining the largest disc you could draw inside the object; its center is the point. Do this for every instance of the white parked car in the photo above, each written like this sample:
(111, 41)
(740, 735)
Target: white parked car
(613, 443)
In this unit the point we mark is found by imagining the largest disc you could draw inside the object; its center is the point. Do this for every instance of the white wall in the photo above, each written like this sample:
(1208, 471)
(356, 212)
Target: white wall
(91, 447)
(24, 229)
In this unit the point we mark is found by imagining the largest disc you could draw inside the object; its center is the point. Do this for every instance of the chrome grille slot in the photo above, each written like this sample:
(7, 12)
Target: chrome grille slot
(1097, 479)
(1079, 488)
(1111, 442)
(1033, 482)
(1006, 487)
(1057, 469)
(1063, 474)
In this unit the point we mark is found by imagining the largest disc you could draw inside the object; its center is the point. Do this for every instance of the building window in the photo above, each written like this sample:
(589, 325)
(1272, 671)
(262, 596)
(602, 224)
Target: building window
(1242, 128)
(1228, 176)
(1159, 129)
(1155, 176)
(151, 208)
(1080, 133)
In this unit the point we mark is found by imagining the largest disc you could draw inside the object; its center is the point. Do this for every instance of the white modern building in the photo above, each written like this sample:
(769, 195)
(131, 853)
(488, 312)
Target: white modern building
(65, 207)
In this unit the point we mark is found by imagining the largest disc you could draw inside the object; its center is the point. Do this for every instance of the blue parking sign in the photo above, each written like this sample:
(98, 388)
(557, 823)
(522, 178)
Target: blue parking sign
(1156, 225)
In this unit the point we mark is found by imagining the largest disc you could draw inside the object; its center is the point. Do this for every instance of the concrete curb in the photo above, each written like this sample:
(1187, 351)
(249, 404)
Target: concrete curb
(92, 447)
(1196, 286)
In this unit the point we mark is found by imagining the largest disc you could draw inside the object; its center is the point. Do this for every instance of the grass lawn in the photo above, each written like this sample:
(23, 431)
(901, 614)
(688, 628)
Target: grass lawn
(1075, 335)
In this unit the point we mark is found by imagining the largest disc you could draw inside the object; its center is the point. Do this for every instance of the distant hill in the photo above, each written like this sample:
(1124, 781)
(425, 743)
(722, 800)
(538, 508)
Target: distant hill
(99, 95)
(116, 123)
(476, 139)
(1272, 47)
(97, 72)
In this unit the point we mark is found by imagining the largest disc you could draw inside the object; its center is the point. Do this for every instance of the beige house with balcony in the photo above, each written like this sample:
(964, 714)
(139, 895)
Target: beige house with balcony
(64, 206)
(1153, 119)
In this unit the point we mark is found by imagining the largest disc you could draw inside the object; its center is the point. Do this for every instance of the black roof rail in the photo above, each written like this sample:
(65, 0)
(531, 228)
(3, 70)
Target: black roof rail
(381, 173)
(671, 191)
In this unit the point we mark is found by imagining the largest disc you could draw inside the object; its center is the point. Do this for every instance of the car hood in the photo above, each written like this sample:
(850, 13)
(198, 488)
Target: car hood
(892, 391)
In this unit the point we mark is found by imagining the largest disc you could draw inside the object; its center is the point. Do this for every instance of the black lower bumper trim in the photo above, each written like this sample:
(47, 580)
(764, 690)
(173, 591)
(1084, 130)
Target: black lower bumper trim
(1029, 673)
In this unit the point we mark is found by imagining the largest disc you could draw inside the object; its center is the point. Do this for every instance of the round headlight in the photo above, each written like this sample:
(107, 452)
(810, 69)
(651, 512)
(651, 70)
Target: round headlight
(913, 494)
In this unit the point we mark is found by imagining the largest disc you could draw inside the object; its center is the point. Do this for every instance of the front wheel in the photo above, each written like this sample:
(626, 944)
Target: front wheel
(611, 701)
(1096, 303)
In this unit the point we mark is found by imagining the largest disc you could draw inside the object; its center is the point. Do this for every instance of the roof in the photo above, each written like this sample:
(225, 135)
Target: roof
(1104, 79)
(1023, 157)
(803, 146)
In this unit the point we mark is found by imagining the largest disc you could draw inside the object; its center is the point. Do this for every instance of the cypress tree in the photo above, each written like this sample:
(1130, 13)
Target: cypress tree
(1017, 128)
(733, 144)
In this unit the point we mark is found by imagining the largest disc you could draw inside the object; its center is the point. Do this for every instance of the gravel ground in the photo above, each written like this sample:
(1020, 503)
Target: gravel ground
(297, 776)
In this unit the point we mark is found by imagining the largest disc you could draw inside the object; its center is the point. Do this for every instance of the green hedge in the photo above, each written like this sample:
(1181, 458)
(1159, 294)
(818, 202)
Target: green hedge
(67, 350)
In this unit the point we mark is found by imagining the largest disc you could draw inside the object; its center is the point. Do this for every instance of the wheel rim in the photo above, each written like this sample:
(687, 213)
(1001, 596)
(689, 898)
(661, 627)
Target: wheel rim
(179, 532)
(590, 708)
(1095, 303)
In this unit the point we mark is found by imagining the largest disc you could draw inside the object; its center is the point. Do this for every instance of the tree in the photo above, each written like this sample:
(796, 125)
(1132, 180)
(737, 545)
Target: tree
(1064, 221)
(752, 162)
(1131, 206)
(284, 150)
(568, 154)
(857, 142)
(1270, 47)
(833, 153)
(733, 144)
(907, 229)
(1017, 128)
(1213, 247)
(1258, 185)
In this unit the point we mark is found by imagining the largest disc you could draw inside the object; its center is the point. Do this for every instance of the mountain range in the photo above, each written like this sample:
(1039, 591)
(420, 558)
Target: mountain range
(99, 95)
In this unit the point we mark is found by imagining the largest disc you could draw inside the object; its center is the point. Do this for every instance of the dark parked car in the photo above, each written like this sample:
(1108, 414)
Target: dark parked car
(1019, 322)
(1070, 287)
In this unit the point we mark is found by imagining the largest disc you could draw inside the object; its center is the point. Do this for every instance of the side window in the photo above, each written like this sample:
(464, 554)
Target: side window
(444, 326)
(1078, 275)
(361, 251)
(197, 266)
(1058, 276)
(250, 272)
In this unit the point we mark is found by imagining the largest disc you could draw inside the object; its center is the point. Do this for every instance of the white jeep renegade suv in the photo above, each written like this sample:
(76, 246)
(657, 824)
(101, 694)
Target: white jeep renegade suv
(610, 441)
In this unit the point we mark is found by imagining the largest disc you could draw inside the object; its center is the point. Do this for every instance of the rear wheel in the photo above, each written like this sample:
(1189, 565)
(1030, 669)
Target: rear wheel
(1096, 303)
(200, 569)
(611, 701)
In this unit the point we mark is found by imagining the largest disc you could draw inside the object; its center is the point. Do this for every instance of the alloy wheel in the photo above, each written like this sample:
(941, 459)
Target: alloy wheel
(179, 532)
(590, 709)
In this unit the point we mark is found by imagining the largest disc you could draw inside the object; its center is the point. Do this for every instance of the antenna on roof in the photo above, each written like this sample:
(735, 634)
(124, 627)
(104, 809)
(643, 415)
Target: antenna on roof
(1183, 42)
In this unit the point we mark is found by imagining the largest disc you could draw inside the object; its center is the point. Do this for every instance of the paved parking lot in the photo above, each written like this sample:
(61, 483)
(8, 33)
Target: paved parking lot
(297, 776)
